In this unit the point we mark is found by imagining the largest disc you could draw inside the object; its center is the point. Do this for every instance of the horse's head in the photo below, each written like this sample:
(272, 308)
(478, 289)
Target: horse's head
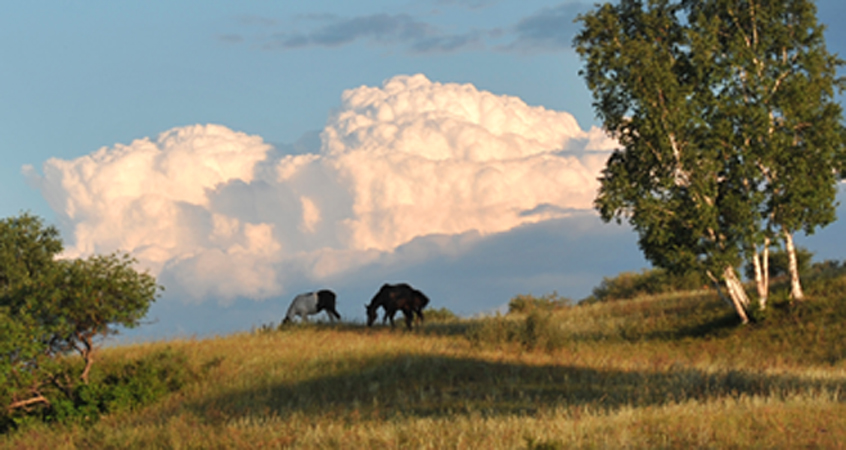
(378, 300)
(372, 312)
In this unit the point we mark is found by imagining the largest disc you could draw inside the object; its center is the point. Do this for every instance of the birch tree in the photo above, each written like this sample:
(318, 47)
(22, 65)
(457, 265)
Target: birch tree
(720, 150)
(777, 87)
(649, 77)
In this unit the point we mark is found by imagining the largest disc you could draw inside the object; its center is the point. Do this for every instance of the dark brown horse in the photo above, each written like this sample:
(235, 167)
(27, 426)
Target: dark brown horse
(397, 297)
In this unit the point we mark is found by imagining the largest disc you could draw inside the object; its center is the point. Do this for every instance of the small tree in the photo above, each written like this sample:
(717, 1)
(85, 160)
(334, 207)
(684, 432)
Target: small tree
(49, 307)
(92, 297)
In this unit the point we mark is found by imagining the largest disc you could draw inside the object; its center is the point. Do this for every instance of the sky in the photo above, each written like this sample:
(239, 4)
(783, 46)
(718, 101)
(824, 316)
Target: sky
(245, 152)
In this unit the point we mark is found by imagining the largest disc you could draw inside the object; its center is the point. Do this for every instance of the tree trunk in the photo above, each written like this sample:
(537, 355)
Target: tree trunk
(761, 262)
(766, 270)
(793, 266)
(717, 287)
(87, 355)
(736, 292)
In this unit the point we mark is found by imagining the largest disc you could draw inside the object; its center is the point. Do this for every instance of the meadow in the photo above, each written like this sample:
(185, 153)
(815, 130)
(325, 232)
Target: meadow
(671, 370)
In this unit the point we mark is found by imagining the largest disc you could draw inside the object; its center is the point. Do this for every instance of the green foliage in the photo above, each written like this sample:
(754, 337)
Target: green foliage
(93, 296)
(27, 253)
(726, 114)
(27, 261)
(123, 386)
(49, 307)
(527, 303)
(439, 315)
(24, 367)
(629, 285)
(779, 265)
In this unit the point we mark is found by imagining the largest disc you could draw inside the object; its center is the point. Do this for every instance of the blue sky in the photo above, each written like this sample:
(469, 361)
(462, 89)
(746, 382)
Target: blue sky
(78, 77)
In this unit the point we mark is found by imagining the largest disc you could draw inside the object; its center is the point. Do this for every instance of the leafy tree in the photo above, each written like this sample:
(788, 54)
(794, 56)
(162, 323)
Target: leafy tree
(776, 86)
(92, 297)
(649, 77)
(704, 174)
(24, 365)
(50, 306)
(27, 259)
(27, 253)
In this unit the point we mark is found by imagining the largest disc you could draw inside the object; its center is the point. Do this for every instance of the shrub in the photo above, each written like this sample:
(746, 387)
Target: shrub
(439, 315)
(529, 303)
(123, 386)
(537, 331)
(495, 330)
(128, 386)
(629, 285)
(540, 332)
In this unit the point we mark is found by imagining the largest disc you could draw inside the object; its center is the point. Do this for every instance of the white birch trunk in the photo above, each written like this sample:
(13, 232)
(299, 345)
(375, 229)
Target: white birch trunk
(736, 292)
(761, 262)
(793, 266)
(759, 277)
(717, 287)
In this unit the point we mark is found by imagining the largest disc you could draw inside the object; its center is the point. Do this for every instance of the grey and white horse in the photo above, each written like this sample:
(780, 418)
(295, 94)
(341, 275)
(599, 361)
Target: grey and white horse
(312, 303)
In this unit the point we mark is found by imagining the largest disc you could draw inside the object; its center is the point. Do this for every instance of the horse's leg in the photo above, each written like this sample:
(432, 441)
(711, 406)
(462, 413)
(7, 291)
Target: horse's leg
(409, 317)
(390, 315)
(332, 314)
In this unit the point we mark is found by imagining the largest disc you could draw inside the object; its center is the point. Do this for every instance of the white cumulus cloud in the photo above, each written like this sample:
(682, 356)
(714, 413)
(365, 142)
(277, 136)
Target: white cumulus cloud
(220, 214)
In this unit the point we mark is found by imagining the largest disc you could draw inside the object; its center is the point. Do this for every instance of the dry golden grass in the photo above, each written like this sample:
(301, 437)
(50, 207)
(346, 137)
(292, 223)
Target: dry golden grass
(665, 372)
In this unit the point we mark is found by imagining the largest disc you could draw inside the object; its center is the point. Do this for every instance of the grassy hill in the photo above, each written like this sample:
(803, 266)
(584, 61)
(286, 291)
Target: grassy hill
(665, 371)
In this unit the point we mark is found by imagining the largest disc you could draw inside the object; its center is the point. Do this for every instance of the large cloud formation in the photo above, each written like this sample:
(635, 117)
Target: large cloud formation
(220, 214)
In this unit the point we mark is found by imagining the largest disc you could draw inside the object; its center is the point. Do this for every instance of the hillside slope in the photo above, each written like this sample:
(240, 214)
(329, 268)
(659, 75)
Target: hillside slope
(669, 371)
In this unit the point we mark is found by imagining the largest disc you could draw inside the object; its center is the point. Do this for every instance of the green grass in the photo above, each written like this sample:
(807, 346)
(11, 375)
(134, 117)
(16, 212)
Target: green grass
(674, 370)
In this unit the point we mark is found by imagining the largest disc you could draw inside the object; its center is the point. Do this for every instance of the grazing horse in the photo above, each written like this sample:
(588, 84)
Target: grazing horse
(395, 297)
(312, 303)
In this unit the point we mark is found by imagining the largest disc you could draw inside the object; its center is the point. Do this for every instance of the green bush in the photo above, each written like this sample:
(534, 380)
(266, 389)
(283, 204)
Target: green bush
(540, 332)
(123, 386)
(439, 315)
(492, 331)
(629, 285)
(529, 303)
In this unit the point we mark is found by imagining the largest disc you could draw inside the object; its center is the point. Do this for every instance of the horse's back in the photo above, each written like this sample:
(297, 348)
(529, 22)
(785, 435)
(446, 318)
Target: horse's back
(302, 305)
(326, 297)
